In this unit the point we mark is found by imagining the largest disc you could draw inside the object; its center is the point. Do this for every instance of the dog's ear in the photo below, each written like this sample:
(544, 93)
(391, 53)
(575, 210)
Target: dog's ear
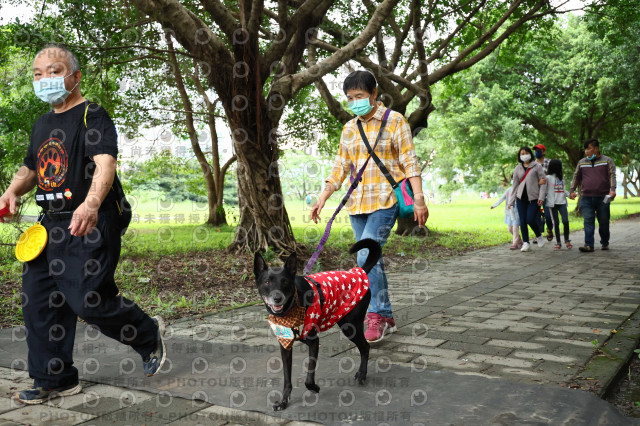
(291, 265)
(259, 265)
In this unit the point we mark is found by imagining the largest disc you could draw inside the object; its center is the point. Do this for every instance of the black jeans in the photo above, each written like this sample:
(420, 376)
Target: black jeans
(74, 277)
(562, 209)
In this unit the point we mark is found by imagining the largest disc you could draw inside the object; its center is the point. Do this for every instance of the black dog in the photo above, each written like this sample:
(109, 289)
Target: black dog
(296, 301)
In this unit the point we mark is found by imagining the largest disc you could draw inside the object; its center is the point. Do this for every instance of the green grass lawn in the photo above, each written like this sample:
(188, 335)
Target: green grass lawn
(162, 229)
(175, 233)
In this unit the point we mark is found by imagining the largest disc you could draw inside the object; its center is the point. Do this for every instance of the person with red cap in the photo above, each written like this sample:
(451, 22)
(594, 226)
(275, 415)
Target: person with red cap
(539, 151)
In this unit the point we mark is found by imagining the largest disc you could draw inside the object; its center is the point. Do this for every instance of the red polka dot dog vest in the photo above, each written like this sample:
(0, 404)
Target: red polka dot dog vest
(341, 290)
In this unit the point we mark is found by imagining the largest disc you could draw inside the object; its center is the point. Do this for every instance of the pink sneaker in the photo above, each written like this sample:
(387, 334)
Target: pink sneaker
(377, 326)
(392, 325)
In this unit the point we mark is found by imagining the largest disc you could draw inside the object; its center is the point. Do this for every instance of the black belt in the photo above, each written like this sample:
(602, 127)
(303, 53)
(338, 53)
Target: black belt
(59, 215)
(68, 214)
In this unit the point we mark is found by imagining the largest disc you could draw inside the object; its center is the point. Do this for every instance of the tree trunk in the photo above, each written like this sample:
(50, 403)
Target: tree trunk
(632, 180)
(624, 185)
(409, 228)
(264, 221)
(211, 174)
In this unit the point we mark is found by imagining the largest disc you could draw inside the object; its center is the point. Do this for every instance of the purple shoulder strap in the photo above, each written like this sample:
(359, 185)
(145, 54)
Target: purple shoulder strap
(354, 183)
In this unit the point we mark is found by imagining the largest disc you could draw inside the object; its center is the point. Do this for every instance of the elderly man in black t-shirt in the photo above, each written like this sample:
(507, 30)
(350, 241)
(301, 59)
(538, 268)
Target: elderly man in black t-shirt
(72, 160)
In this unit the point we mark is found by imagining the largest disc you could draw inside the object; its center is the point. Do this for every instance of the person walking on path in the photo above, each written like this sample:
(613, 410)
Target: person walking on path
(596, 176)
(540, 152)
(526, 189)
(72, 160)
(511, 218)
(557, 201)
(373, 207)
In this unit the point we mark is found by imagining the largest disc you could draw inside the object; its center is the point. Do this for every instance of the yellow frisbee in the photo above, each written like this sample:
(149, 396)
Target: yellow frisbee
(31, 243)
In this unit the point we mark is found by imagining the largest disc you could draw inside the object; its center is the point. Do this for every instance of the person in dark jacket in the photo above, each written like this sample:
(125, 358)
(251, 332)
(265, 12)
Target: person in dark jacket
(596, 177)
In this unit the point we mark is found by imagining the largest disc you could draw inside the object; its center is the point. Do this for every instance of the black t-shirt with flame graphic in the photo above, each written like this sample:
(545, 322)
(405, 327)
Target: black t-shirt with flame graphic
(61, 153)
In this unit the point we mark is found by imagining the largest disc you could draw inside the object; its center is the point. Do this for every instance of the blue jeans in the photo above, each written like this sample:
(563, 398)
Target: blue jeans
(529, 212)
(592, 208)
(377, 226)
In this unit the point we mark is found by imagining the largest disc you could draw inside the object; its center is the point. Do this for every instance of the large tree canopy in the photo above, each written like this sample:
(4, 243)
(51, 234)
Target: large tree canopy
(424, 42)
(562, 90)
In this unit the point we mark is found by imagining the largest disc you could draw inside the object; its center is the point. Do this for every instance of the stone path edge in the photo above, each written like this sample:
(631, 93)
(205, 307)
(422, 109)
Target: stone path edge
(607, 365)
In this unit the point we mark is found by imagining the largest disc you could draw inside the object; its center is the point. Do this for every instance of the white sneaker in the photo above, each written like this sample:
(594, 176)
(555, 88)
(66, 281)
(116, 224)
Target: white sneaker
(541, 241)
(525, 247)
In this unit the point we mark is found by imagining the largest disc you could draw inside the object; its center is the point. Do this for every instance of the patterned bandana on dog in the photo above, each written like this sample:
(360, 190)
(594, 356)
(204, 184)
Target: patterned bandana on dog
(342, 290)
(286, 327)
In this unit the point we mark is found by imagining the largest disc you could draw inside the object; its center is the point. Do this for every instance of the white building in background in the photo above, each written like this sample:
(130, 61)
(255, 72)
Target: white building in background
(158, 139)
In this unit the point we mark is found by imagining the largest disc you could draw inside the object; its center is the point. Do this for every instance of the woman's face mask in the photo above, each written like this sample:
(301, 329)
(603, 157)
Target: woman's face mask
(525, 158)
(360, 106)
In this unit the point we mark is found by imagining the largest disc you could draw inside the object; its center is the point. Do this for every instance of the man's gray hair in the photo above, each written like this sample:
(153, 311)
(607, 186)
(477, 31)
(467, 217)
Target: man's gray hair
(72, 59)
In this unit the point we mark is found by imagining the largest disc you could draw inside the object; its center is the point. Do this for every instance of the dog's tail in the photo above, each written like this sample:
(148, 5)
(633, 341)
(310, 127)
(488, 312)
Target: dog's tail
(375, 251)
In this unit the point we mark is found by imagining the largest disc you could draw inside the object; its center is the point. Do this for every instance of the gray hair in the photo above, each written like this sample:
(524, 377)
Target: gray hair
(72, 59)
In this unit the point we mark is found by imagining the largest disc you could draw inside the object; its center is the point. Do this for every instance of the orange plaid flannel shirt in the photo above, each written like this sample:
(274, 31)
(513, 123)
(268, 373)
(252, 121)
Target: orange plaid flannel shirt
(395, 150)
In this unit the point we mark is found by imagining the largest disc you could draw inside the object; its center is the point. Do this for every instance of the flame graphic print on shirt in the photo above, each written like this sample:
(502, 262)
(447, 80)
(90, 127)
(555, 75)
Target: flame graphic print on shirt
(52, 164)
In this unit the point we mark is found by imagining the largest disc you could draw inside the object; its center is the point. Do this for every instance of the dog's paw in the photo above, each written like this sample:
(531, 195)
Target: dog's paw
(360, 377)
(312, 387)
(279, 406)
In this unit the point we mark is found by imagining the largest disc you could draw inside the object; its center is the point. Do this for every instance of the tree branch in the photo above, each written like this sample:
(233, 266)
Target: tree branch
(399, 42)
(458, 64)
(225, 167)
(196, 37)
(293, 26)
(255, 18)
(332, 103)
(222, 17)
(289, 86)
(438, 52)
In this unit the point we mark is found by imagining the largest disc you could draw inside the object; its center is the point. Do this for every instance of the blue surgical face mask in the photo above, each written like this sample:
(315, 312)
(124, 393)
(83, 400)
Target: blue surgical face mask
(591, 157)
(360, 106)
(52, 90)
(538, 154)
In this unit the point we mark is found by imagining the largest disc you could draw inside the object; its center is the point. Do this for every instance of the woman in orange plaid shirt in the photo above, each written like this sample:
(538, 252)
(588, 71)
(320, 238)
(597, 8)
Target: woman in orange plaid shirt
(373, 207)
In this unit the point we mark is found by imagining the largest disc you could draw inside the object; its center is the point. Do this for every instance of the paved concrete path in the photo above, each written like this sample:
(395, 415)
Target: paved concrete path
(476, 332)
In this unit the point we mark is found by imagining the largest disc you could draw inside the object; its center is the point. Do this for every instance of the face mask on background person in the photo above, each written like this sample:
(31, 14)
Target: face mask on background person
(591, 157)
(525, 158)
(360, 106)
(538, 154)
(52, 90)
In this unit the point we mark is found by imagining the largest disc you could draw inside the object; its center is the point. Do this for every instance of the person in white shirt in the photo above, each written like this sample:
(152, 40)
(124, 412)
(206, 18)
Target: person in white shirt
(511, 218)
(557, 201)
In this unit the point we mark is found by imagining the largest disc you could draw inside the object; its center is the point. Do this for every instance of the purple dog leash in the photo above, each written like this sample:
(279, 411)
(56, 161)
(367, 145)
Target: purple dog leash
(354, 183)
